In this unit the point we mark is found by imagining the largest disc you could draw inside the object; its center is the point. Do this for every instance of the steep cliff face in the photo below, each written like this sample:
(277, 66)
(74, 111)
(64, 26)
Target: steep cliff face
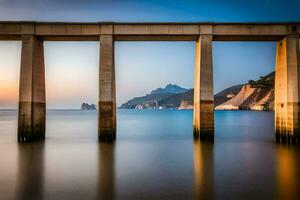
(249, 98)
(186, 105)
(227, 94)
(256, 95)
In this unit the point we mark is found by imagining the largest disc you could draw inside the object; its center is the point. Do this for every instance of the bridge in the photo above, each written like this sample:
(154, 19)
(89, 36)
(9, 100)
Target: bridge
(32, 104)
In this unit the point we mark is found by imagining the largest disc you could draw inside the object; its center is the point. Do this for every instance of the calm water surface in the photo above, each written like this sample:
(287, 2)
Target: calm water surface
(154, 157)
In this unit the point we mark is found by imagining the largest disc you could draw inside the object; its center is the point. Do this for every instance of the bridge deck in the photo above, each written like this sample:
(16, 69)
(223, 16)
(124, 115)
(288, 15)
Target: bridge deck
(148, 31)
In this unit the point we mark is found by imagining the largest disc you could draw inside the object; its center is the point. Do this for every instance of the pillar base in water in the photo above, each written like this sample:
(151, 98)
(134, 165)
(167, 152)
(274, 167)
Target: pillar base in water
(23, 139)
(107, 136)
(204, 135)
(31, 121)
(107, 122)
(287, 138)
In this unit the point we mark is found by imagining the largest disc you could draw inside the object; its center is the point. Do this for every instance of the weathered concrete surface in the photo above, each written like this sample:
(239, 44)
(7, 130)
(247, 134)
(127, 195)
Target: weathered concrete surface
(156, 37)
(287, 89)
(70, 38)
(156, 29)
(71, 29)
(17, 28)
(203, 120)
(107, 90)
(32, 107)
(252, 32)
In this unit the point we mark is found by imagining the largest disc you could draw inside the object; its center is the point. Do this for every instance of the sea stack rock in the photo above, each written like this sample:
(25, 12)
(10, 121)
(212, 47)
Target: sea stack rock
(86, 106)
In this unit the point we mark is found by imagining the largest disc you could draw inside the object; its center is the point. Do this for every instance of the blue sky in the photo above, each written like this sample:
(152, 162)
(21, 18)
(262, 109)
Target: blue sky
(140, 66)
(151, 10)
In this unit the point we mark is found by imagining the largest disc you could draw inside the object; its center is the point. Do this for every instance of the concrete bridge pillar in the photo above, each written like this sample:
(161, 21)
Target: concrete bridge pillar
(287, 79)
(107, 90)
(203, 121)
(32, 106)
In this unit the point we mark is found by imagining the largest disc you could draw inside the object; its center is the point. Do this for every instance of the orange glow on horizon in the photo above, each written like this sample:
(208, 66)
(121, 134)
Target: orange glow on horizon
(8, 92)
(10, 59)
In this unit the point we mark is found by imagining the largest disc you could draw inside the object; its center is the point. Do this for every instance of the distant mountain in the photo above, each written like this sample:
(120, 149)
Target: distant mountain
(254, 95)
(152, 100)
(170, 88)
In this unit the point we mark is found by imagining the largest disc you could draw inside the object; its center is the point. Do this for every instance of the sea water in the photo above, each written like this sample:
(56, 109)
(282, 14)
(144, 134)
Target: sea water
(154, 157)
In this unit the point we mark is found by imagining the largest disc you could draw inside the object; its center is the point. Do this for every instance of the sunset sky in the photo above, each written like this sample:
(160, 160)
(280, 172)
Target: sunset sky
(72, 67)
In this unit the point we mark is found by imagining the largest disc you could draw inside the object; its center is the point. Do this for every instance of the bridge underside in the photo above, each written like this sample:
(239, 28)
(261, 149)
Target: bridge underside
(32, 78)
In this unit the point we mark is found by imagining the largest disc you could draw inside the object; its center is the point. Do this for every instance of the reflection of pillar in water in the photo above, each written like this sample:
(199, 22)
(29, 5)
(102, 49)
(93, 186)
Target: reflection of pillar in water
(287, 173)
(30, 180)
(203, 170)
(106, 171)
